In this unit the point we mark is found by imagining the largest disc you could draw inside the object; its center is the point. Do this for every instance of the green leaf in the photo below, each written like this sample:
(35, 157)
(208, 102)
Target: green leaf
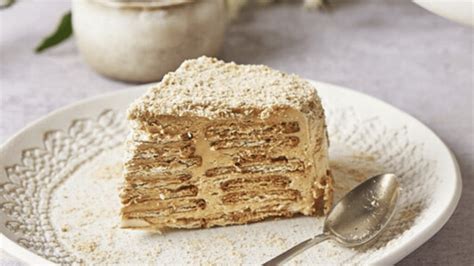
(63, 32)
(7, 3)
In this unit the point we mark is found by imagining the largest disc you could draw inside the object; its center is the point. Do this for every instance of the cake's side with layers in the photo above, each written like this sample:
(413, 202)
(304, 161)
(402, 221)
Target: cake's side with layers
(188, 172)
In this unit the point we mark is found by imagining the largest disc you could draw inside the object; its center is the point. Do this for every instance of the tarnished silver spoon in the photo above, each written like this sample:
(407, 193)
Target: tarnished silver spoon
(356, 219)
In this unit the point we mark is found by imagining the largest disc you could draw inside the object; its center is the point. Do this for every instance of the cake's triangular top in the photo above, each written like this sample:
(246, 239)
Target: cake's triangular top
(211, 88)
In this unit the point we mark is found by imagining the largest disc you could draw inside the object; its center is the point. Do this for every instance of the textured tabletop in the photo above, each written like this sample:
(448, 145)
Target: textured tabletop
(393, 50)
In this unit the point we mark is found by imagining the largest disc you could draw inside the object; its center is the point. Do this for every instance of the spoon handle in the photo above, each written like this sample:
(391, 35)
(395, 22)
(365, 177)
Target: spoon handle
(294, 251)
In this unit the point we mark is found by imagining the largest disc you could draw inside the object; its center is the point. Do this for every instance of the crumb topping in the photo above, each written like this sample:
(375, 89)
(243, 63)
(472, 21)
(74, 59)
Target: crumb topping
(211, 88)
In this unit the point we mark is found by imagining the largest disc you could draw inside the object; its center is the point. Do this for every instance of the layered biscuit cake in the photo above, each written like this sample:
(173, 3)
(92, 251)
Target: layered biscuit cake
(217, 143)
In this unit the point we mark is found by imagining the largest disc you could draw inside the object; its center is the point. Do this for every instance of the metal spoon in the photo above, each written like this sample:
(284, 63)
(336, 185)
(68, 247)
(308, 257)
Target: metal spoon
(356, 219)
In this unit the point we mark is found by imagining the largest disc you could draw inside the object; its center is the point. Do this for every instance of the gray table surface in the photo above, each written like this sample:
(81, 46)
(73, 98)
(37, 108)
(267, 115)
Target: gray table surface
(393, 50)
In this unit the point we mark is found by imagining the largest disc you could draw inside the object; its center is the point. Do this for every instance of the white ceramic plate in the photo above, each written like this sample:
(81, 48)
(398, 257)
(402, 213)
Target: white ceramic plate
(461, 11)
(59, 198)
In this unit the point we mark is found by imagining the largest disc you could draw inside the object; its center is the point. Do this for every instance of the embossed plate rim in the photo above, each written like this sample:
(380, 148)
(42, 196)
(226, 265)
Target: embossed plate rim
(31, 136)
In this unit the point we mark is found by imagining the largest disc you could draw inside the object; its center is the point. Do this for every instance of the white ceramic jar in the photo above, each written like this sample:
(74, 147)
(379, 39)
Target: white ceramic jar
(140, 41)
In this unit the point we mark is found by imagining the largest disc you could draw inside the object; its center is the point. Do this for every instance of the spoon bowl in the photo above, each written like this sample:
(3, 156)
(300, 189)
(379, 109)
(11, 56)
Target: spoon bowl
(363, 212)
(357, 218)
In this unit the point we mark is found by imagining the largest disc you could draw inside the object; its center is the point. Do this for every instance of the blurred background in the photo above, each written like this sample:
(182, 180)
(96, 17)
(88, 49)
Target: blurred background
(393, 50)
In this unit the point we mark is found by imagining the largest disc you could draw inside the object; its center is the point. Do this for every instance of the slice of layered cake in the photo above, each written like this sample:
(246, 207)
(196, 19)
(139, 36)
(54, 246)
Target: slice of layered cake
(217, 144)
